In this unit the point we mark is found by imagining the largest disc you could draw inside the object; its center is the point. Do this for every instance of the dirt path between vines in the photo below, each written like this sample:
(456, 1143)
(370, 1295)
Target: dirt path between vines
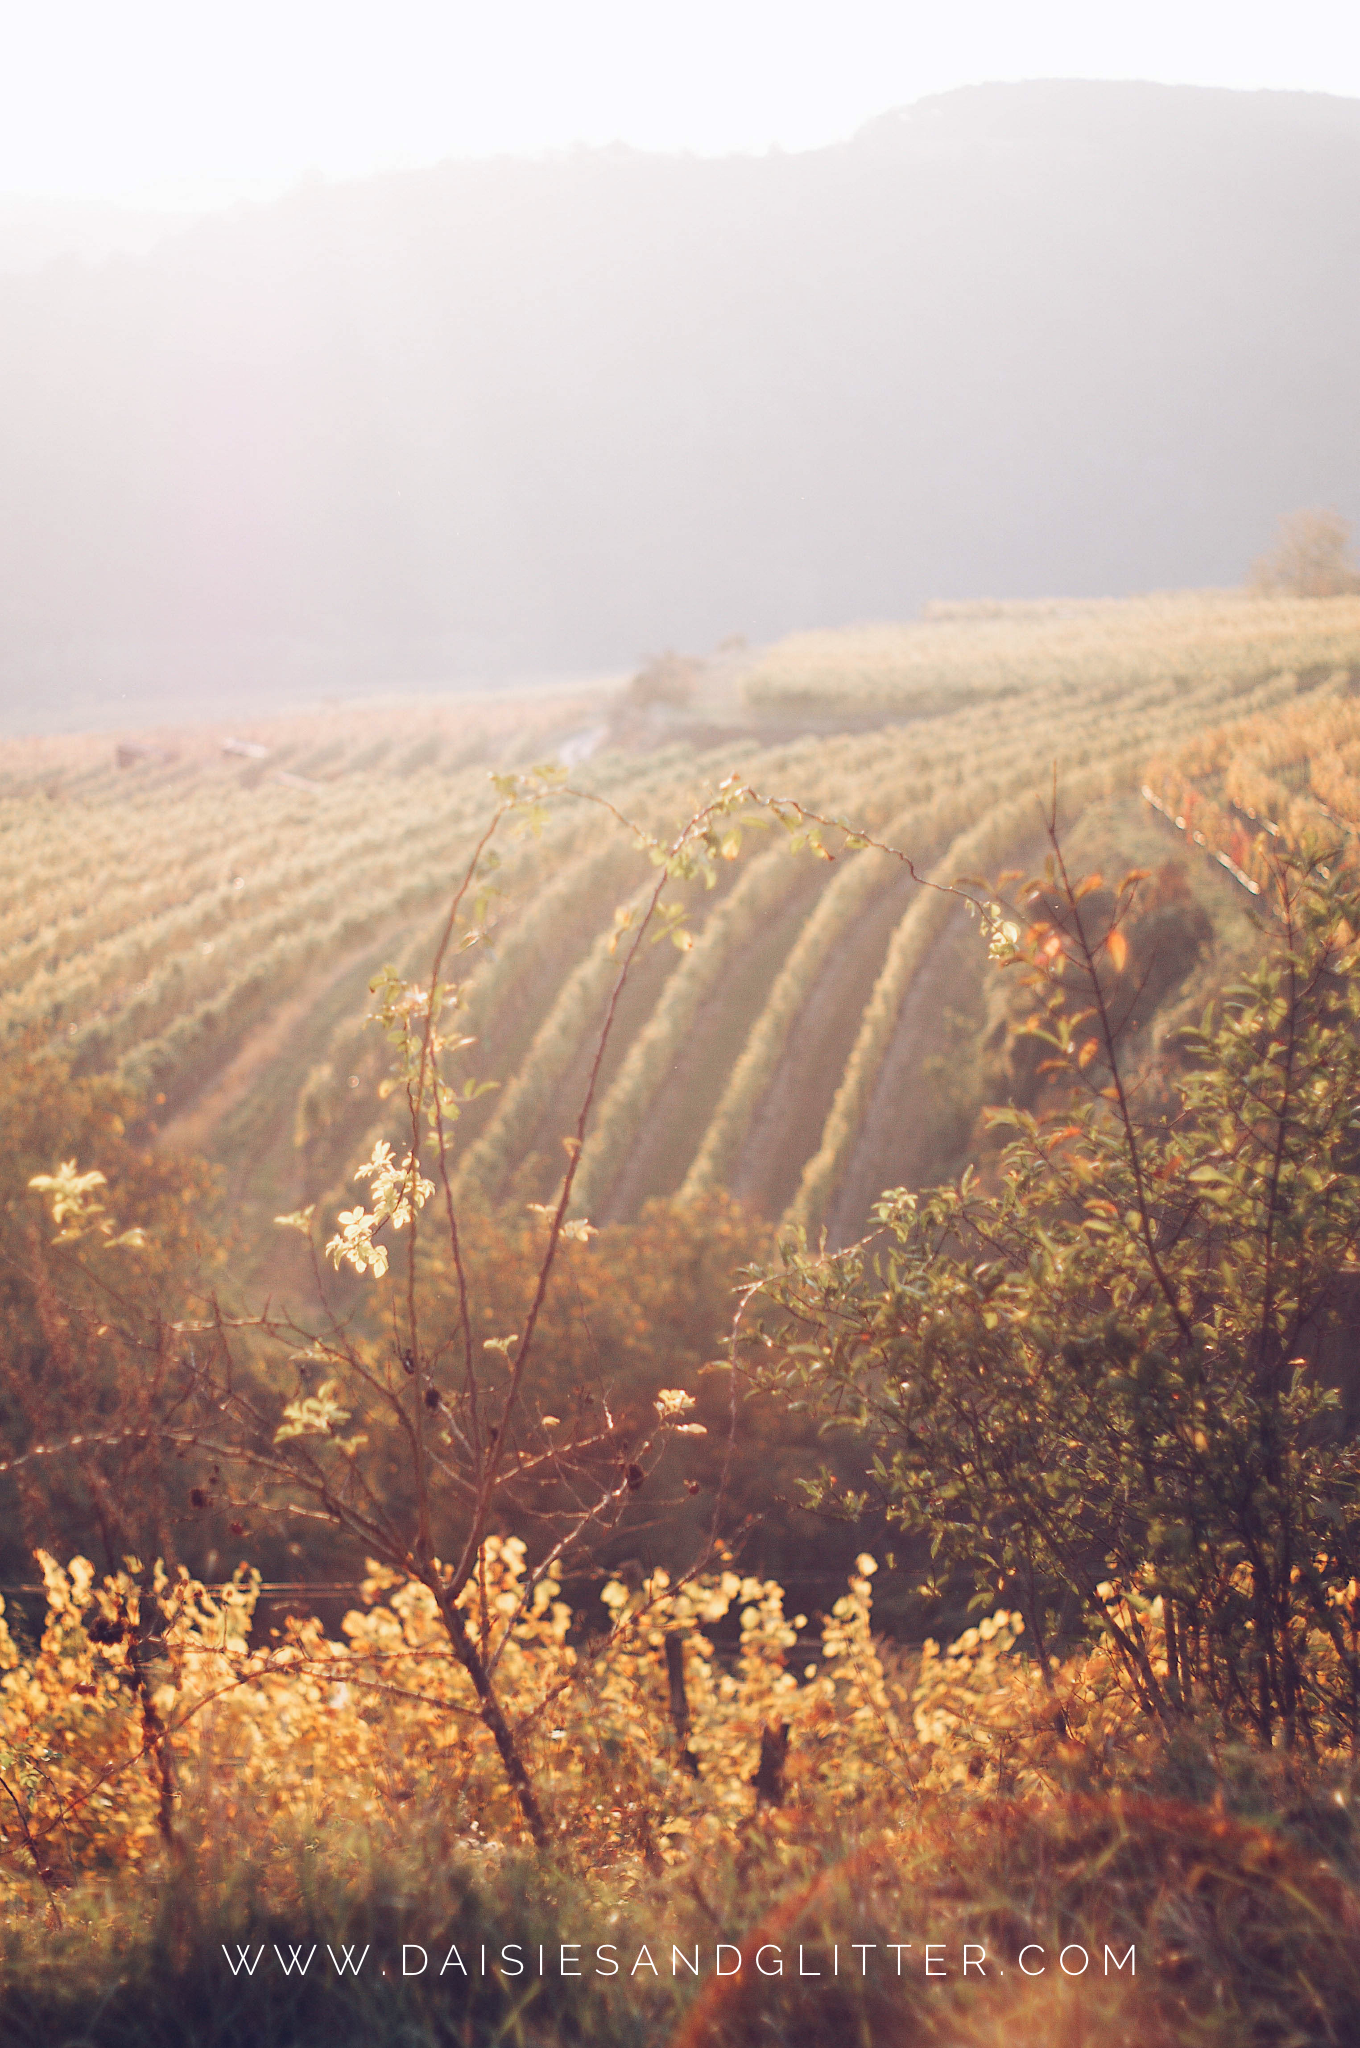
(786, 1129)
(191, 1129)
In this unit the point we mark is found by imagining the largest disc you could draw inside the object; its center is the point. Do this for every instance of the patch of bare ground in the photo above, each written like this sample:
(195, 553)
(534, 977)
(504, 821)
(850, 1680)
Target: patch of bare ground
(787, 1128)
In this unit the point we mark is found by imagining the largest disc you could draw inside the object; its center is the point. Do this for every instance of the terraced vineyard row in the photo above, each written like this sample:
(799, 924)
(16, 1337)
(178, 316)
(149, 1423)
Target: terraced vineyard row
(1007, 833)
(1238, 791)
(235, 894)
(189, 904)
(1075, 651)
(676, 1116)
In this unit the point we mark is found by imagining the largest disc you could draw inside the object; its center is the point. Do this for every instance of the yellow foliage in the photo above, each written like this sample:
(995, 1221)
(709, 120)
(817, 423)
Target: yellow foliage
(135, 1702)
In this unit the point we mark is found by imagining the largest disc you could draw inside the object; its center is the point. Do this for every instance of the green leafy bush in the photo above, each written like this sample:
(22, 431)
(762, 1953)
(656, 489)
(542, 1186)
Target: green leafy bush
(1090, 1385)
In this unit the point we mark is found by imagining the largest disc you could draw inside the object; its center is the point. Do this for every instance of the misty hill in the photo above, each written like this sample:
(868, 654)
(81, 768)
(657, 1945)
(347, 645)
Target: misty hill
(513, 415)
(36, 231)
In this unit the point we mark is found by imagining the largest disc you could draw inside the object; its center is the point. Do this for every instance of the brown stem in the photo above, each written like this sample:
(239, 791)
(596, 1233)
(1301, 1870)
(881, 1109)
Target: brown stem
(44, 1873)
(456, 1247)
(1281, 1127)
(769, 1778)
(1126, 1123)
(575, 1146)
(679, 1700)
(468, 1655)
(156, 1742)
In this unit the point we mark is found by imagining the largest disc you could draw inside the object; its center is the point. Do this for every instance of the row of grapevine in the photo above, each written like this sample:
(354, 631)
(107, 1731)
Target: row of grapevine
(163, 974)
(197, 903)
(1008, 761)
(197, 835)
(578, 1007)
(1013, 761)
(983, 846)
(756, 897)
(573, 873)
(1084, 652)
(487, 1164)
(201, 969)
(875, 774)
(153, 839)
(1236, 790)
(874, 786)
(996, 838)
(841, 903)
(115, 945)
(1300, 765)
(922, 828)
(314, 932)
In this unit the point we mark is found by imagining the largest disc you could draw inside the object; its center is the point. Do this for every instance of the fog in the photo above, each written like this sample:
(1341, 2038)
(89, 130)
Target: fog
(522, 417)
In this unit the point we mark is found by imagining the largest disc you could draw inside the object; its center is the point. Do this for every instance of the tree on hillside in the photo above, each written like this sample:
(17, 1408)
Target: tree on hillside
(1310, 558)
(1090, 1389)
(667, 679)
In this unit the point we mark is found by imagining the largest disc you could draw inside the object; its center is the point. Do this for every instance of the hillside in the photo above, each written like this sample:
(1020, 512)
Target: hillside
(513, 417)
(208, 931)
(900, 1631)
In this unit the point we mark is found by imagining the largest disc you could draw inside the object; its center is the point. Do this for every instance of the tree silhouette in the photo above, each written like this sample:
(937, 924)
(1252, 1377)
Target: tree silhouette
(1310, 558)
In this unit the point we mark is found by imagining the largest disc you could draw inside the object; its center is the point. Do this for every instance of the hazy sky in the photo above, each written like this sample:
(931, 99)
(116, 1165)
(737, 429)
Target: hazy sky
(192, 102)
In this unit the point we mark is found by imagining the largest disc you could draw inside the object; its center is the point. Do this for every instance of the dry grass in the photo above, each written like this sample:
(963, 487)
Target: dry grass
(1243, 1932)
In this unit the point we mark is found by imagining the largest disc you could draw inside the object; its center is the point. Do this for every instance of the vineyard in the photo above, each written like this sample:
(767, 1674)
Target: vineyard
(882, 1633)
(1235, 791)
(1072, 650)
(202, 920)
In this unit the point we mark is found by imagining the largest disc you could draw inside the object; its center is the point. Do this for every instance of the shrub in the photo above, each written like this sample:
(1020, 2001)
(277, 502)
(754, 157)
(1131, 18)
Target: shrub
(1090, 1389)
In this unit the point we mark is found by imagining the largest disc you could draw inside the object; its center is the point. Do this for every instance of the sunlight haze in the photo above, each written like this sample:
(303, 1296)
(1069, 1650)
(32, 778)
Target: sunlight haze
(179, 107)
